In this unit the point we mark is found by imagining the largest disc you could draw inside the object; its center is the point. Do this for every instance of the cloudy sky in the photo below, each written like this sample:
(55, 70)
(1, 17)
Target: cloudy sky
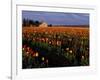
(57, 18)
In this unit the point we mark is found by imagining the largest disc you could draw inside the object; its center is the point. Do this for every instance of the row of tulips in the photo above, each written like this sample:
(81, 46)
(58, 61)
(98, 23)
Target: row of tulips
(54, 50)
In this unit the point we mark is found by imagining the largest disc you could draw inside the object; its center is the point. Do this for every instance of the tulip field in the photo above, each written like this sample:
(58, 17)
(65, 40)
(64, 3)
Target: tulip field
(45, 47)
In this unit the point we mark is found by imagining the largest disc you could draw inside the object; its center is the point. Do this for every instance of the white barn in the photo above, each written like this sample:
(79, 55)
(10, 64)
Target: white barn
(44, 24)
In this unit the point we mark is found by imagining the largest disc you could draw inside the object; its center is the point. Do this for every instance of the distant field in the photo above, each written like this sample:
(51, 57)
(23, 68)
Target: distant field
(70, 30)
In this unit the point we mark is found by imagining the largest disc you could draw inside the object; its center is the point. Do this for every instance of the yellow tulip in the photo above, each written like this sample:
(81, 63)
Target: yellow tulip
(23, 49)
(36, 54)
(82, 57)
(42, 58)
(67, 49)
(71, 51)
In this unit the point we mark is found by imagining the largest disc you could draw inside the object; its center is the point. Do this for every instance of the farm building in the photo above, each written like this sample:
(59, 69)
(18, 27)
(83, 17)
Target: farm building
(44, 24)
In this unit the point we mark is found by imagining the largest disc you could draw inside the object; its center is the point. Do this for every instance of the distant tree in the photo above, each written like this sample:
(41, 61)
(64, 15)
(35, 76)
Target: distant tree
(27, 22)
(24, 22)
(50, 25)
(37, 23)
(31, 22)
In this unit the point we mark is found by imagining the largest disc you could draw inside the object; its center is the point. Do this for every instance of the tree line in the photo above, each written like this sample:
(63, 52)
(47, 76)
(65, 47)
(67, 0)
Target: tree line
(29, 22)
